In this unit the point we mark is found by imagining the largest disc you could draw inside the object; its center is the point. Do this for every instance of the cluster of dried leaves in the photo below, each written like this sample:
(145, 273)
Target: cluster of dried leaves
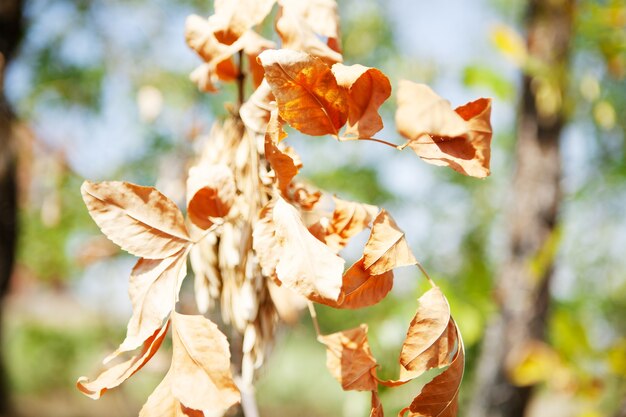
(261, 243)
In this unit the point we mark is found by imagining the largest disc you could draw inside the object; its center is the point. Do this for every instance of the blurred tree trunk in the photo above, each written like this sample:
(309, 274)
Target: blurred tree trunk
(10, 33)
(523, 281)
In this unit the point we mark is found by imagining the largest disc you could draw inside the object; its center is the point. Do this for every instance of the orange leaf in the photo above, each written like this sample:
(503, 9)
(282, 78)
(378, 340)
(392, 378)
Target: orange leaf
(306, 91)
(349, 359)
(439, 398)
(253, 45)
(162, 403)
(349, 219)
(119, 373)
(283, 165)
(140, 220)
(377, 406)
(367, 88)
(300, 25)
(233, 18)
(304, 264)
(153, 289)
(211, 192)
(200, 36)
(460, 139)
(362, 289)
(200, 371)
(386, 248)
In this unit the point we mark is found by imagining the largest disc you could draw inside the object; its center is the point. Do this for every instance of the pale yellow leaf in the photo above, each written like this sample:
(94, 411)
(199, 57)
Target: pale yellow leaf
(140, 220)
(255, 112)
(162, 403)
(305, 264)
(233, 18)
(211, 192)
(201, 376)
(387, 247)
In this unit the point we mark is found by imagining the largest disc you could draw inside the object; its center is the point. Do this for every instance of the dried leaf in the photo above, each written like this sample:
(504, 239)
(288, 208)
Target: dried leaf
(460, 139)
(283, 165)
(368, 88)
(233, 18)
(211, 192)
(119, 373)
(162, 403)
(439, 398)
(306, 91)
(287, 302)
(377, 406)
(153, 290)
(264, 241)
(140, 220)
(387, 247)
(253, 45)
(349, 219)
(361, 289)
(426, 345)
(200, 372)
(349, 359)
(305, 264)
(200, 36)
(207, 74)
(255, 112)
(321, 15)
(297, 32)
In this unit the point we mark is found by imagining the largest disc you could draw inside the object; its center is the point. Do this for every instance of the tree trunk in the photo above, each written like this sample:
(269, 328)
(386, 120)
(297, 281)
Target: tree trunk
(523, 281)
(10, 33)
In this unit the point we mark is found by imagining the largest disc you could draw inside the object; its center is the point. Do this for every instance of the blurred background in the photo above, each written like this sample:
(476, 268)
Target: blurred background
(532, 259)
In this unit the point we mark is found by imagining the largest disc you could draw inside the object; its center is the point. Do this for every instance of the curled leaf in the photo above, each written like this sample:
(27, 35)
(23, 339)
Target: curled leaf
(362, 289)
(349, 359)
(264, 241)
(460, 138)
(283, 165)
(367, 88)
(255, 112)
(349, 219)
(162, 403)
(386, 247)
(304, 263)
(233, 18)
(211, 192)
(140, 220)
(306, 91)
(200, 373)
(119, 373)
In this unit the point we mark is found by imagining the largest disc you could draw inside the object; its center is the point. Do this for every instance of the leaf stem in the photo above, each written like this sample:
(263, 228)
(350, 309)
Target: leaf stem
(430, 281)
(207, 231)
(384, 142)
(241, 78)
(313, 314)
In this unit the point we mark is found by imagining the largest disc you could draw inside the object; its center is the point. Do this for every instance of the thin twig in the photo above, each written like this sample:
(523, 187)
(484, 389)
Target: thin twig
(432, 283)
(313, 314)
(208, 231)
(241, 78)
(384, 142)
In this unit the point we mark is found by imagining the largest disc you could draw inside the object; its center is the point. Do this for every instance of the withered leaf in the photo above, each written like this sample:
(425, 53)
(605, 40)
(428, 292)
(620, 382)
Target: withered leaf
(233, 18)
(162, 403)
(211, 192)
(140, 220)
(305, 264)
(439, 398)
(298, 23)
(349, 219)
(265, 242)
(119, 373)
(349, 359)
(386, 247)
(207, 74)
(153, 290)
(361, 289)
(306, 91)
(200, 36)
(200, 371)
(377, 406)
(287, 302)
(283, 165)
(460, 138)
(367, 88)
(255, 112)
(253, 45)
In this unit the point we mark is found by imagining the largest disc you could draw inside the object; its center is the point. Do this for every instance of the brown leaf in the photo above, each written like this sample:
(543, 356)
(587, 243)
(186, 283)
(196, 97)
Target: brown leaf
(304, 264)
(361, 289)
(349, 359)
(200, 371)
(119, 373)
(283, 165)
(306, 91)
(297, 24)
(377, 406)
(426, 345)
(211, 192)
(367, 88)
(386, 248)
(255, 112)
(162, 403)
(153, 290)
(349, 219)
(140, 220)
(460, 139)
(233, 18)
(439, 398)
